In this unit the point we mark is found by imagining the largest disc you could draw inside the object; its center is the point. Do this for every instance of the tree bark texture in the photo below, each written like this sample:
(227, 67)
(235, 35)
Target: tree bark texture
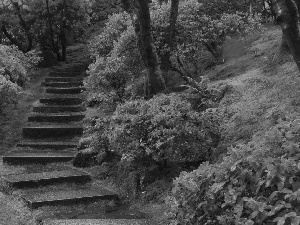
(55, 46)
(154, 81)
(24, 25)
(287, 16)
(169, 37)
(63, 38)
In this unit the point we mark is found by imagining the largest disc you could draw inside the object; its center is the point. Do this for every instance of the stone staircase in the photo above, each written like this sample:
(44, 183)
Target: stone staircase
(53, 130)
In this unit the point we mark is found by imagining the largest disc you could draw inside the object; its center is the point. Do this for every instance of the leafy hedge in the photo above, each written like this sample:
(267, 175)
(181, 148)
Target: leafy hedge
(256, 183)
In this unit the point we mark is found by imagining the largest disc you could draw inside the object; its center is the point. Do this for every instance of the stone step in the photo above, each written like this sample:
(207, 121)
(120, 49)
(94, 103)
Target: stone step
(58, 109)
(67, 90)
(61, 101)
(64, 74)
(63, 84)
(23, 157)
(99, 222)
(44, 178)
(71, 70)
(63, 79)
(51, 131)
(48, 145)
(66, 197)
(56, 118)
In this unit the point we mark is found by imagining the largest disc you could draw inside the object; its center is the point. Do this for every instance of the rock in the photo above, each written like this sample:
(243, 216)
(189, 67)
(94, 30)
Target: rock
(101, 172)
(85, 158)
(101, 157)
(85, 142)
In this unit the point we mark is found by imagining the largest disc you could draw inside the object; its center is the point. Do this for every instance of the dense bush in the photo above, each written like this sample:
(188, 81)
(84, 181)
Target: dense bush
(256, 183)
(109, 75)
(14, 66)
(164, 128)
(102, 44)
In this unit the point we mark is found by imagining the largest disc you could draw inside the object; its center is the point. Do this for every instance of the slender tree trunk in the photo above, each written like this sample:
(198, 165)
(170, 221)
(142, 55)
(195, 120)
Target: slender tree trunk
(169, 38)
(287, 16)
(154, 82)
(63, 38)
(24, 25)
(54, 45)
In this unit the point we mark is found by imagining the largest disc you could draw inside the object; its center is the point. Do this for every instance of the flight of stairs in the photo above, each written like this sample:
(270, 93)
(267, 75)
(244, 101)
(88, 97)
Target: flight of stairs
(53, 130)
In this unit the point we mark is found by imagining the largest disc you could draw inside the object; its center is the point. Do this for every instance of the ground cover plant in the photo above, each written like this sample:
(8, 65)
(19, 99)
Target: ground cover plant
(256, 183)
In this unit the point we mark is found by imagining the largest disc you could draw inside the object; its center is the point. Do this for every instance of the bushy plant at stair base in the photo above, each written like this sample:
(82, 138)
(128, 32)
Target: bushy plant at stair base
(14, 66)
(163, 128)
(256, 183)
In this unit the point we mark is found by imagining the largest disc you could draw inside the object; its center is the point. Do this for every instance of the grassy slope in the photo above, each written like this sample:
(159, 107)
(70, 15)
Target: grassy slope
(262, 86)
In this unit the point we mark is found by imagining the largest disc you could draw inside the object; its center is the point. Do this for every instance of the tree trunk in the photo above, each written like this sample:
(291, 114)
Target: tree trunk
(24, 25)
(169, 37)
(63, 38)
(55, 47)
(154, 81)
(287, 16)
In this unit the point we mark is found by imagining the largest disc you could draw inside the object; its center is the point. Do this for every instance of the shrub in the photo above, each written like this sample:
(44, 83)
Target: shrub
(109, 75)
(164, 128)
(14, 66)
(256, 183)
(102, 44)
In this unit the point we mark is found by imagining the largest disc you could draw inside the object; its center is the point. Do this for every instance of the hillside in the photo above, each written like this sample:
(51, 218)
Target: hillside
(261, 85)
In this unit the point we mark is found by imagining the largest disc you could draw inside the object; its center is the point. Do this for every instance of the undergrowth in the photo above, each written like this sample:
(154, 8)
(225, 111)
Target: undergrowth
(256, 183)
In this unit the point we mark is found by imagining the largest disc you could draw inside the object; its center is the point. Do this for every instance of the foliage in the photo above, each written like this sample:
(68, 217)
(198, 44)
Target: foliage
(14, 66)
(109, 75)
(116, 54)
(34, 21)
(164, 128)
(215, 8)
(102, 44)
(256, 183)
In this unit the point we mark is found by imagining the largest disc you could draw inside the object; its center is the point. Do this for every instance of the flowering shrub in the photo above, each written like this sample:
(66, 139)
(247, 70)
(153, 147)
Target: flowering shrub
(14, 66)
(164, 128)
(256, 183)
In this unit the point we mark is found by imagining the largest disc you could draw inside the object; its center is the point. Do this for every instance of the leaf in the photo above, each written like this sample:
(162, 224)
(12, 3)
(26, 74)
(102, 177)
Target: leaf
(279, 220)
(296, 186)
(295, 220)
(253, 215)
(272, 196)
(286, 191)
(290, 214)
(217, 186)
(280, 185)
